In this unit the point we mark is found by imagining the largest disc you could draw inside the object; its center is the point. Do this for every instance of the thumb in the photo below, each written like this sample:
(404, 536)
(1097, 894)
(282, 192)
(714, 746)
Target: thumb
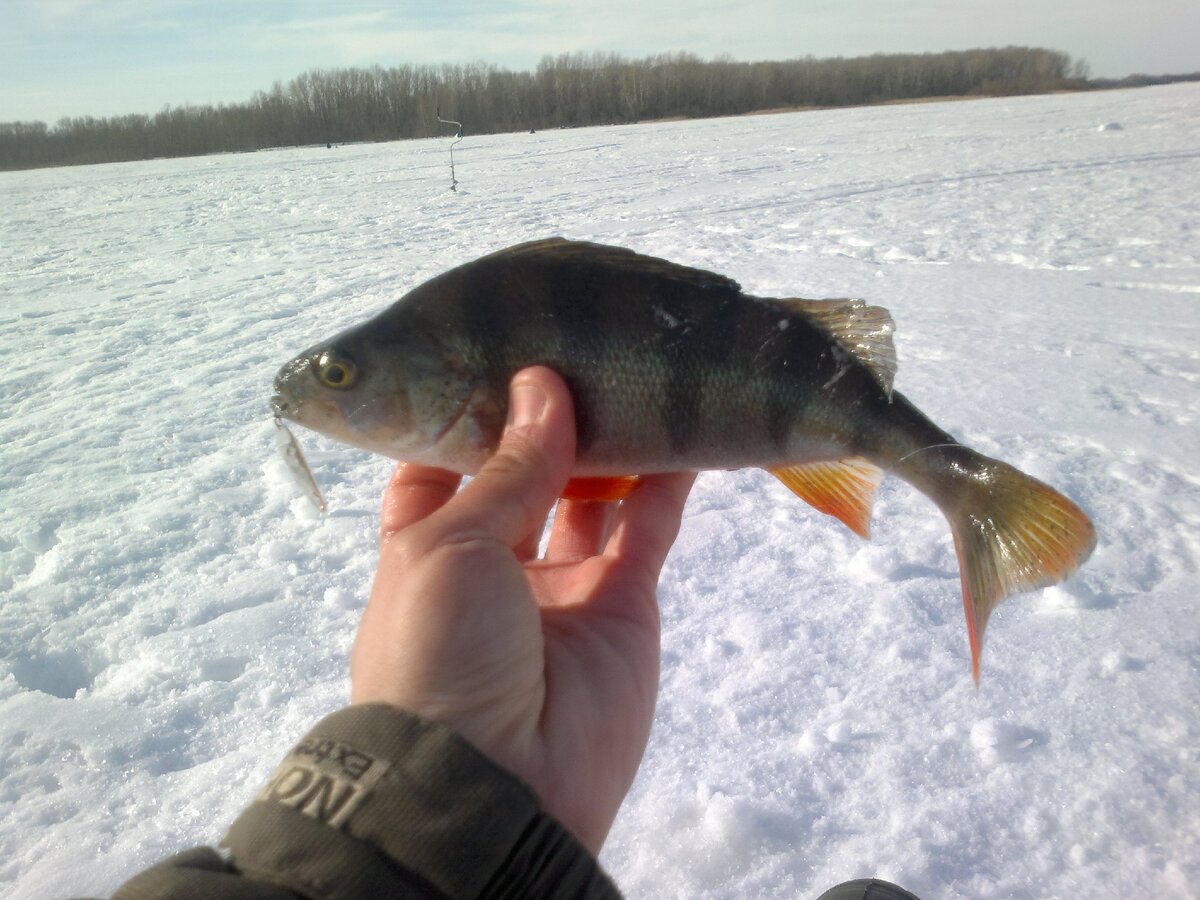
(514, 491)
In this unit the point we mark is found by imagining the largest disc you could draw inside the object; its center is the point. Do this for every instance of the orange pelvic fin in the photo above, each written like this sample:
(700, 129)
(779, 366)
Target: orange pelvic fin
(605, 490)
(843, 488)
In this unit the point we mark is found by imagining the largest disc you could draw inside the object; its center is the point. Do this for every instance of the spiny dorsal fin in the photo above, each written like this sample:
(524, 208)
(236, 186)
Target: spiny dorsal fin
(586, 253)
(866, 331)
(843, 488)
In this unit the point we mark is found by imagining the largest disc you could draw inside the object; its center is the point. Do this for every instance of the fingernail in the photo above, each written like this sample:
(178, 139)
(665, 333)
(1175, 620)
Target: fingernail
(525, 405)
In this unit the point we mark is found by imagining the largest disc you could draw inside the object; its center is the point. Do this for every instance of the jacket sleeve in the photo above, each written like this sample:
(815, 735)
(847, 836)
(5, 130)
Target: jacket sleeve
(375, 802)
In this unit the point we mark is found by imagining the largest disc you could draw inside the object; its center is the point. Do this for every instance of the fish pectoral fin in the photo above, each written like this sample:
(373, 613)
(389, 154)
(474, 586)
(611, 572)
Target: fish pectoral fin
(842, 488)
(605, 490)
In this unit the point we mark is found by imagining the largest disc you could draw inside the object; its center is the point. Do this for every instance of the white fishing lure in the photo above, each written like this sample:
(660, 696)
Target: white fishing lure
(296, 464)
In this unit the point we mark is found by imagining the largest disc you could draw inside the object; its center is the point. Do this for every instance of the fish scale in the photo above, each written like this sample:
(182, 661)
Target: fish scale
(673, 368)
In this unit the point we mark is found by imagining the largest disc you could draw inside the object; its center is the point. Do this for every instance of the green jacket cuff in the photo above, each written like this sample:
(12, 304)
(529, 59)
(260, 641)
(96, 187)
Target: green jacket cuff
(376, 802)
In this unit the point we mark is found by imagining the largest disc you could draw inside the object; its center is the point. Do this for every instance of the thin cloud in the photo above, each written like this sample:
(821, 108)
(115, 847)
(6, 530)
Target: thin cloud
(105, 57)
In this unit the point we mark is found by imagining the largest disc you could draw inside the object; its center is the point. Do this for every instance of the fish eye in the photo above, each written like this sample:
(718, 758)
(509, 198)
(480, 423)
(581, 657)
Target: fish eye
(335, 373)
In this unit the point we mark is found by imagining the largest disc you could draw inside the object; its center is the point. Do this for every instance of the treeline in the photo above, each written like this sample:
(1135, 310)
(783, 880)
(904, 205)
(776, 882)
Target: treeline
(378, 104)
(1140, 80)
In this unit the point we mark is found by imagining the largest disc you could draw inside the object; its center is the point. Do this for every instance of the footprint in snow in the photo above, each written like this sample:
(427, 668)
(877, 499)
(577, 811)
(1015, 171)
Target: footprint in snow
(999, 741)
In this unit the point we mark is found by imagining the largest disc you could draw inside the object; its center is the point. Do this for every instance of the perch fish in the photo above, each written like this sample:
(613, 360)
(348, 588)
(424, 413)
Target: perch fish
(673, 368)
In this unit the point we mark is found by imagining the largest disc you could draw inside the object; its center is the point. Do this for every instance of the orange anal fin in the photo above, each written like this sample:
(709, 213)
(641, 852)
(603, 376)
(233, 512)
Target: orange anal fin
(604, 490)
(843, 488)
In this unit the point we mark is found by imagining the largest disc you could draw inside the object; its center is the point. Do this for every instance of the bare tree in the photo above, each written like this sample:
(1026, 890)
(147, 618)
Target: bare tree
(324, 106)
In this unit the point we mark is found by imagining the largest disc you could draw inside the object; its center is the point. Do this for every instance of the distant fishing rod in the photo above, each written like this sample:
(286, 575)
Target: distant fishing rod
(458, 136)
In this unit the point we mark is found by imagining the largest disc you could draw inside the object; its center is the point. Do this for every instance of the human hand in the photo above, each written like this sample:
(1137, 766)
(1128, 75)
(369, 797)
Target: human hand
(548, 666)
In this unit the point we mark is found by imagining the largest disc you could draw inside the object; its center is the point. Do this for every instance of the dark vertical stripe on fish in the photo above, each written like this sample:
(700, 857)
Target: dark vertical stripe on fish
(489, 323)
(696, 340)
(782, 408)
(775, 342)
(575, 310)
(681, 410)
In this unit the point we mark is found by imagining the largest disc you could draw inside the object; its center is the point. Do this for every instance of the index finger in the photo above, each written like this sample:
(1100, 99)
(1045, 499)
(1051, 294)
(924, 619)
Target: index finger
(413, 493)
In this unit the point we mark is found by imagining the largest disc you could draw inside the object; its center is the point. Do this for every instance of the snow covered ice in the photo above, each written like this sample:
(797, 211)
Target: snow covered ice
(175, 614)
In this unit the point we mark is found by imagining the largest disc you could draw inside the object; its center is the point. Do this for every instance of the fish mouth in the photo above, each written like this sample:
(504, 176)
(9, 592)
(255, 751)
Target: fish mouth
(282, 407)
(284, 404)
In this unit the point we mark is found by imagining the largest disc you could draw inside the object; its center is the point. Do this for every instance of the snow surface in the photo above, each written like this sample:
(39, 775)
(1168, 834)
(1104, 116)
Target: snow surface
(174, 615)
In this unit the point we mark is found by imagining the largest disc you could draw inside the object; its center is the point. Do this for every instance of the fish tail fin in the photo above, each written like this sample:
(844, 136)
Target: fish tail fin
(1012, 533)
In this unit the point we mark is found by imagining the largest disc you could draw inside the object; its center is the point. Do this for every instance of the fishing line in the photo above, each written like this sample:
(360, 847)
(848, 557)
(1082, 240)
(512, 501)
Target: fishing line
(929, 447)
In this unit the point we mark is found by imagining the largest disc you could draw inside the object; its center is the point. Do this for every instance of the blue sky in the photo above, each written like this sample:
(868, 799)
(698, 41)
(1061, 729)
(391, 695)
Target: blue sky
(109, 57)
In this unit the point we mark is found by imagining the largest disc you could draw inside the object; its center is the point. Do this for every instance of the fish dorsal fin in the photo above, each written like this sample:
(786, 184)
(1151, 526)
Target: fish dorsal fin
(585, 253)
(842, 488)
(866, 331)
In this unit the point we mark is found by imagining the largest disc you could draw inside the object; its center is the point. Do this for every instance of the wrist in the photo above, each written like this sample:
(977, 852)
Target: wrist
(373, 779)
